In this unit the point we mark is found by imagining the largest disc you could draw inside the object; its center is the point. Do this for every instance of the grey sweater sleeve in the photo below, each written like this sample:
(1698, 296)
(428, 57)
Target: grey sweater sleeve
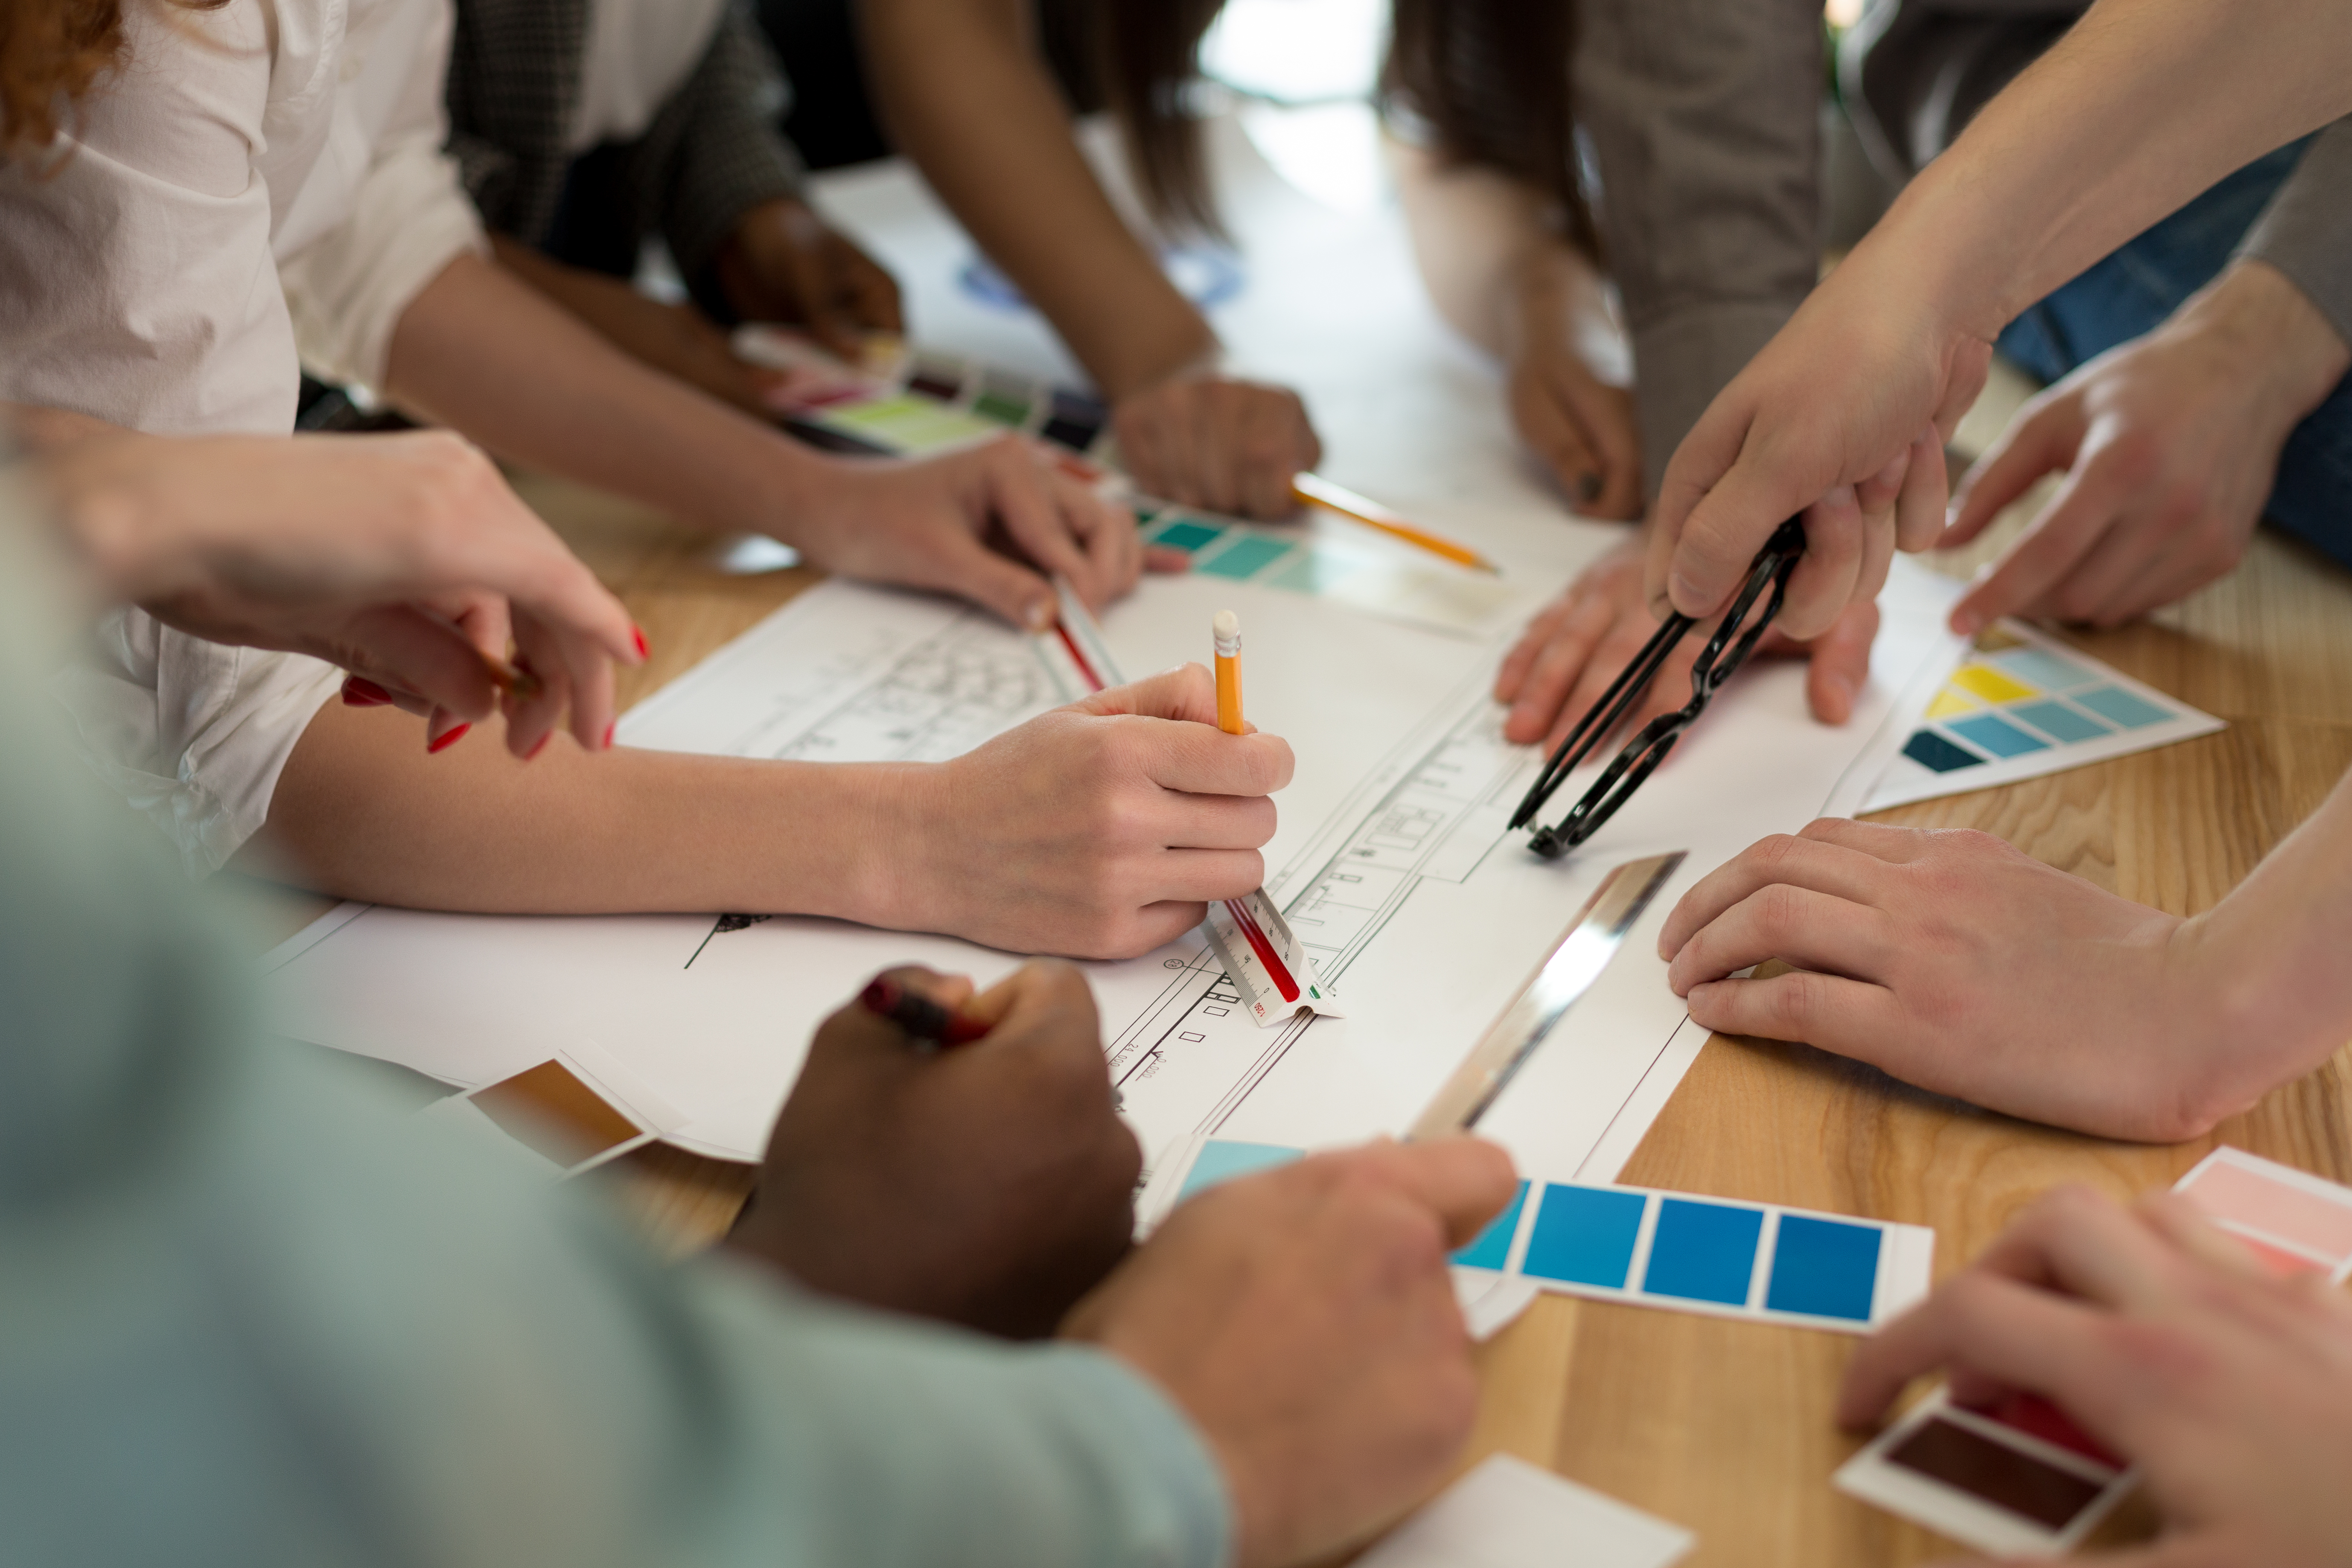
(1704, 117)
(2306, 231)
(715, 150)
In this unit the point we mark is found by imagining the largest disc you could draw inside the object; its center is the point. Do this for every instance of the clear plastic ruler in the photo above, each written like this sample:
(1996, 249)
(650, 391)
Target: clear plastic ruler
(1266, 964)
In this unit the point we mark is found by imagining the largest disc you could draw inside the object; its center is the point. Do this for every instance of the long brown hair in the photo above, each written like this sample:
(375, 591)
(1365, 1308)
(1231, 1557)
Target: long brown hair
(1489, 78)
(52, 52)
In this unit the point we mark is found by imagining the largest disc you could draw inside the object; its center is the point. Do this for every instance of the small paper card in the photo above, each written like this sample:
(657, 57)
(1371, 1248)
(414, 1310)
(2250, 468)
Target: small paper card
(1507, 1513)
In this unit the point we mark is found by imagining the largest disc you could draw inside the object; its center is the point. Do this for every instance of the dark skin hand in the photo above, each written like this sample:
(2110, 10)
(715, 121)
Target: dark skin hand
(990, 1184)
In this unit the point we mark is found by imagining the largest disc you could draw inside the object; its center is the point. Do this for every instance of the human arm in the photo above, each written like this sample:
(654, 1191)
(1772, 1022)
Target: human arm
(2229, 1389)
(479, 352)
(2139, 107)
(967, 97)
(1155, 811)
(403, 559)
(1957, 963)
(2170, 444)
(1500, 272)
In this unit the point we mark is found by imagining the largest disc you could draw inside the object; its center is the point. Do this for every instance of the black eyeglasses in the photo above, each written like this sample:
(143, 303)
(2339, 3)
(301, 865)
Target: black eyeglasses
(1726, 651)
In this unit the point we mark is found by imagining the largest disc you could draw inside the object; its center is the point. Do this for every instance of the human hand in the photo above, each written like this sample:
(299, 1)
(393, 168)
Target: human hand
(1583, 640)
(1104, 826)
(404, 559)
(1957, 963)
(2162, 1337)
(1305, 1320)
(989, 1184)
(1213, 441)
(2170, 444)
(1581, 426)
(993, 523)
(1842, 417)
(783, 263)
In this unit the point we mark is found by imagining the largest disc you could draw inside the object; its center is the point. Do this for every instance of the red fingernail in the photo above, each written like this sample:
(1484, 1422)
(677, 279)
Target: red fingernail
(448, 740)
(608, 735)
(360, 692)
(640, 633)
(539, 746)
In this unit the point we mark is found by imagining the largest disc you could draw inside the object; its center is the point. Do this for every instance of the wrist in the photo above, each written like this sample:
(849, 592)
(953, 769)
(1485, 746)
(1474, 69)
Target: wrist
(1193, 357)
(2285, 348)
(2229, 1033)
(885, 872)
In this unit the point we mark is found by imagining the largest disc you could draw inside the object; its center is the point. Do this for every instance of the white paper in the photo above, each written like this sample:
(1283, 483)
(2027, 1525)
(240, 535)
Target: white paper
(1507, 1513)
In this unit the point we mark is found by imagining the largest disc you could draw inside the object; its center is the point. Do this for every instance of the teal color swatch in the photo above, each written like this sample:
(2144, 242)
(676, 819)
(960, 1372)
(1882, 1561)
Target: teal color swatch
(1930, 750)
(1584, 1235)
(1246, 557)
(1221, 1161)
(2057, 720)
(1998, 736)
(2114, 702)
(1703, 1252)
(2035, 666)
(1492, 1247)
(1823, 1268)
(1185, 534)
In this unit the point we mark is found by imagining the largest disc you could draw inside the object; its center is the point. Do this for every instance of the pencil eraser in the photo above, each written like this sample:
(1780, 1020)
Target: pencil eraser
(1228, 629)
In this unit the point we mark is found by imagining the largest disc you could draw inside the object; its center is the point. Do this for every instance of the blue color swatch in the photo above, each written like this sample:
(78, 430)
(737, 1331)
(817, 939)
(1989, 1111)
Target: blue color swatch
(1246, 557)
(1703, 1252)
(1932, 751)
(1584, 1235)
(1185, 536)
(1492, 1247)
(1998, 736)
(2114, 702)
(1221, 1162)
(1824, 1268)
(2035, 666)
(2057, 720)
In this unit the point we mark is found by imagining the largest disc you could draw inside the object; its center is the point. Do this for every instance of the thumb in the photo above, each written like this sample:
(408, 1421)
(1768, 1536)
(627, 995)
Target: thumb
(1464, 1181)
(1187, 692)
(1841, 663)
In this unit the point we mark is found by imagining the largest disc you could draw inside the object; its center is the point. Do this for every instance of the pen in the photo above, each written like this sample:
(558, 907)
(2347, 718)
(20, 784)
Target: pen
(1314, 490)
(1227, 630)
(919, 1015)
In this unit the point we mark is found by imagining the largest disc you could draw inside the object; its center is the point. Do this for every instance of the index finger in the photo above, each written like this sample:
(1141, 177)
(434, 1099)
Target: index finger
(1021, 491)
(2052, 545)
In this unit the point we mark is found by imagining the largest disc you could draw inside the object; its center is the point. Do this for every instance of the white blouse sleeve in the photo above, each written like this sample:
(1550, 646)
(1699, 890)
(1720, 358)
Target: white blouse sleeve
(191, 733)
(407, 217)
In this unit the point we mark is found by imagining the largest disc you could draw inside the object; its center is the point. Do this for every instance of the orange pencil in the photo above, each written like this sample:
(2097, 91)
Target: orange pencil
(1227, 628)
(1316, 490)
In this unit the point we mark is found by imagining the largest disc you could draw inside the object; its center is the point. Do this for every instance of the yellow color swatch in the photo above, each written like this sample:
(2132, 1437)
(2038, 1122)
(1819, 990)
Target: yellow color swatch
(1948, 703)
(1990, 684)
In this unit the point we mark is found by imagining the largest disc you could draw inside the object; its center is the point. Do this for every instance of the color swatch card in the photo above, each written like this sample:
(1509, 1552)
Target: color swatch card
(914, 403)
(2022, 704)
(1507, 1513)
(572, 1112)
(2020, 1476)
(1759, 1262)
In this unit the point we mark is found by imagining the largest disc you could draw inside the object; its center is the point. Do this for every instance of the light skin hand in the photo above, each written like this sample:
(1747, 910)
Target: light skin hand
(1215, 441)
(1304, 1320)
(990, 1184)
(783, 263)
(1580, 642)
(2171, 445)
(994, 523)
(1581, 426)
(1107, 825)
(404, 559)
(2230, 1389)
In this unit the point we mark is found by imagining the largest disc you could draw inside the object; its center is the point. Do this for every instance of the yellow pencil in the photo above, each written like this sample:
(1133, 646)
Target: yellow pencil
(1316, 490)
(1227, 627)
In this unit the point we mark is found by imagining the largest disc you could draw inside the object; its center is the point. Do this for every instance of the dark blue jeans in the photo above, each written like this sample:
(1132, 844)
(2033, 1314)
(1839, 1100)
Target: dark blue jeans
(2143, 282)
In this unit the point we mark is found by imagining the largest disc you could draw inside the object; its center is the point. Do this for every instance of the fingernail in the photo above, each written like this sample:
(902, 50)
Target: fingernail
(360, 692)
(1966, 622)
(1041, 614)
(1842, 689)
(447, 740)
(538, 746)
(608, 733)
(638, 633)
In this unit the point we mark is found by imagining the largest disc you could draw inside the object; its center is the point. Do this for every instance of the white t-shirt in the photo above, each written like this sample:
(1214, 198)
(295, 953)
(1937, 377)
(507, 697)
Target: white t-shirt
(262, 174)
(637, 55)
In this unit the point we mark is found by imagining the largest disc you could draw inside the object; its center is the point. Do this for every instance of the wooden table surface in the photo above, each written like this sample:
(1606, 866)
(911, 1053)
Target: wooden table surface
(1723, 1426)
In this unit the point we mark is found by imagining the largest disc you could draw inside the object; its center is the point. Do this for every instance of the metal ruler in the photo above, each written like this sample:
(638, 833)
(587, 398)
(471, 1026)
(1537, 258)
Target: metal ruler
(1575, 962)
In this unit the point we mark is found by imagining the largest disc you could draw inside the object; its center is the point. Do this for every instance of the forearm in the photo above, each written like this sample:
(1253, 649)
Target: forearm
(362, 812)
(39, 429)
(2140, 107)
(966, 99)
(1490, 253)
(2274, 947)
(480, 352)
